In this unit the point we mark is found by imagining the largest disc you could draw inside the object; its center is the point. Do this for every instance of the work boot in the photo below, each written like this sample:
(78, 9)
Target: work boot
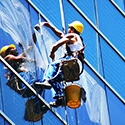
(40, 107)
(44, 84)
(83, 95)
(59, 102)
(28, 93)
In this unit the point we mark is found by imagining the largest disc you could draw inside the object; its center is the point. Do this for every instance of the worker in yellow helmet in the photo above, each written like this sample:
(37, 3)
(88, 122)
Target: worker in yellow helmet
(3, 51)
(78, 26)
(73, 40)
(74, 48)
(11, 55)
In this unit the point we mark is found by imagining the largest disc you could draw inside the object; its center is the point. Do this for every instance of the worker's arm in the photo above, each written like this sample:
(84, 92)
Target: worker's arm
(10, 58)
(54, 29)
(62, 41)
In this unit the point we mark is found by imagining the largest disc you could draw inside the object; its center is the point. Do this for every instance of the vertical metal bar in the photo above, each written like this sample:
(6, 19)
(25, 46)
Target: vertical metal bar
(62, 16)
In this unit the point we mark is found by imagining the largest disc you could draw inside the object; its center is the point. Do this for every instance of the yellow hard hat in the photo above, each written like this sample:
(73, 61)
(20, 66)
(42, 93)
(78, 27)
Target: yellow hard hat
(5, 48)
(79, 27)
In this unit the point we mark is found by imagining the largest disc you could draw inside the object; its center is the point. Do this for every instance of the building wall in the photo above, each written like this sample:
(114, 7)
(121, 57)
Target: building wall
(104, 39)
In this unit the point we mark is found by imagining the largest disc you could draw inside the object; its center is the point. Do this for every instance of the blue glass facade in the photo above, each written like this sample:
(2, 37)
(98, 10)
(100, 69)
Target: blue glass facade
(104, 38)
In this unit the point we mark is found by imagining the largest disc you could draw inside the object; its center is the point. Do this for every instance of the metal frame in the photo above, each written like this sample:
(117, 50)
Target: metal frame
(117, 7)
(6, 118)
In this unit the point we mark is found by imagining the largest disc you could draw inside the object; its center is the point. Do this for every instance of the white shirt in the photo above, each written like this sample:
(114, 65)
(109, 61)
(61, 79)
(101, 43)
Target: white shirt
(77, 45)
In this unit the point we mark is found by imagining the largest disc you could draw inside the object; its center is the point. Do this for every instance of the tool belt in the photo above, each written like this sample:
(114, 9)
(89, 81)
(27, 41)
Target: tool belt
(78, 54)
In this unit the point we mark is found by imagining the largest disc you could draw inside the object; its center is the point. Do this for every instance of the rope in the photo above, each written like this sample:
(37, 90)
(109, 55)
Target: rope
(63, 22)
(76, 117)
(124, 5)
(64, 31)
(1, 95)
(66, 114)
(34, 54)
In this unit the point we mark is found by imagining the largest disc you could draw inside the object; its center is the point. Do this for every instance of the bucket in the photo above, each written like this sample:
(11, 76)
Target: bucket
(73, 96)
(30, 114)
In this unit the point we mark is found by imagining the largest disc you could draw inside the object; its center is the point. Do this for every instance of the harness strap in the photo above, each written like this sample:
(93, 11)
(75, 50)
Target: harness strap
(80, 56)
(70, 70)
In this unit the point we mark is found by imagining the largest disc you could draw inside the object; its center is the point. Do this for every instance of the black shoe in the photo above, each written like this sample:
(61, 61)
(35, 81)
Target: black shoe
(44, 109)
(27, 93)
(84, 99)
(56, 97)
(59, 102)
(44, 84)
(84, 95)
(39, 107)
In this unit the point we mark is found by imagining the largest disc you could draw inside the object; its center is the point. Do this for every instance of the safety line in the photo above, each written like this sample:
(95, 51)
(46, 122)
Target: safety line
(2, 100)
(64, 31)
